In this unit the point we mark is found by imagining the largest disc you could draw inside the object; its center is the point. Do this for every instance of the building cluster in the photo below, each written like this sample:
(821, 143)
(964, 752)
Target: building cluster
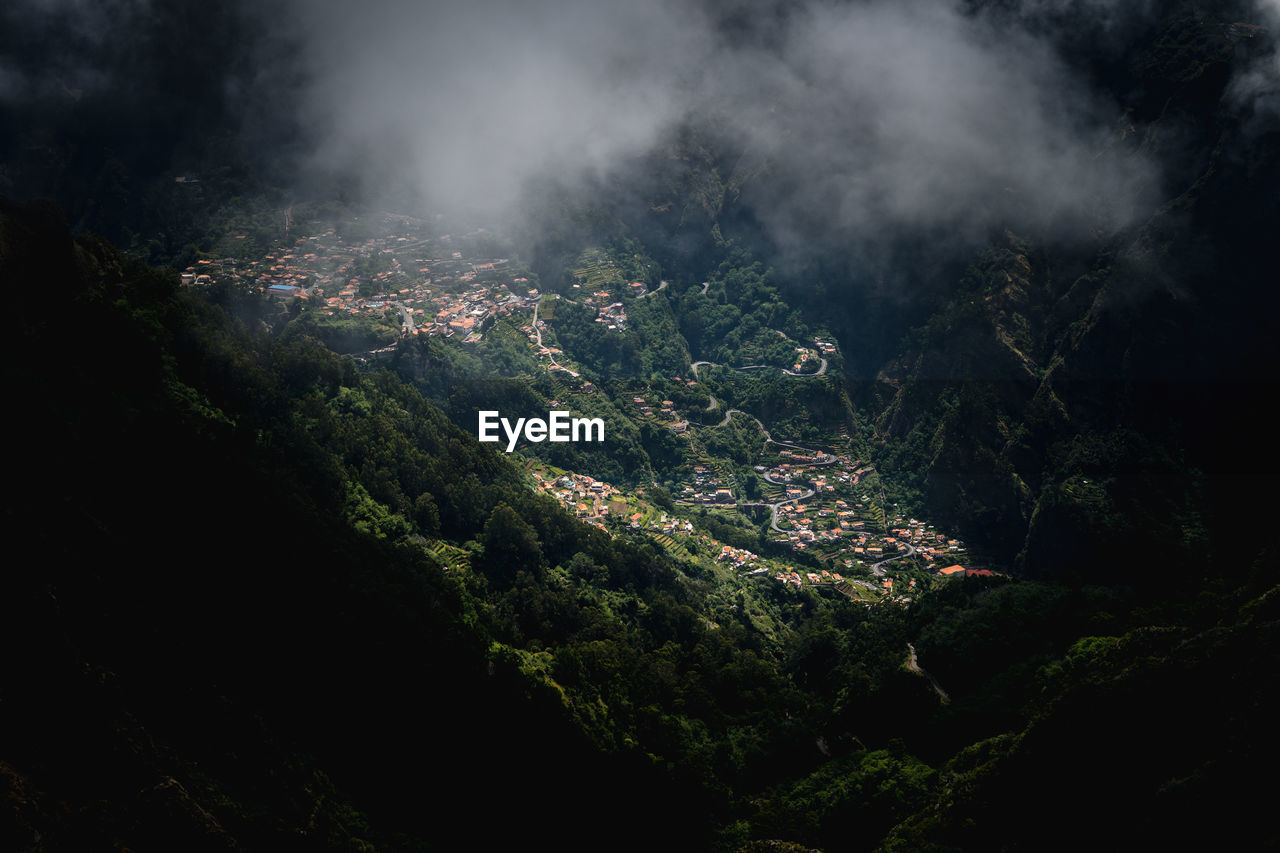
(609, 314)
(466, 312)
(803, 356)
(820, 577)
(708, 488)
(670, 526)
(815, 515)
(584, 497)
(739, 558)
(666, 413)
(443, 296)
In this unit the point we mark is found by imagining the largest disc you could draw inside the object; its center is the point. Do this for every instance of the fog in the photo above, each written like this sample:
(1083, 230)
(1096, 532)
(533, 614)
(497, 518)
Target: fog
(468, 104)
(848, 123)
(864, 116)
(1257, 87)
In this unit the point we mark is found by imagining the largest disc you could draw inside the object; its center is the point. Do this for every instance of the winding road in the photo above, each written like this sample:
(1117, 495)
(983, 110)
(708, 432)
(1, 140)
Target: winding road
(879, 572)
(774, 507)
(661, 287)
(822, 368)
(824, 459)
(537, 331)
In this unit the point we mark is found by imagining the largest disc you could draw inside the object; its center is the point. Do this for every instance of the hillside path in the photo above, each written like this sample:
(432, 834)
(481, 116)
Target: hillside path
(914, 666)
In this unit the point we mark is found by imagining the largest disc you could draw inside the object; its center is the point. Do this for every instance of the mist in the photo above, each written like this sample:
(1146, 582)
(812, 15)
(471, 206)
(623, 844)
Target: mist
(1257, 87)
(866, 118)
(466, 105)
(842, 125)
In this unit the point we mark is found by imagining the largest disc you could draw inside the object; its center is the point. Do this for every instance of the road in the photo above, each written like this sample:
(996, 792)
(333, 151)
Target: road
(661, 287)
(879, 572)
(825, 459)
(729, 414)
(537, 331)
(407, 316)
(822, 368)
(914, 666)
(773, 507)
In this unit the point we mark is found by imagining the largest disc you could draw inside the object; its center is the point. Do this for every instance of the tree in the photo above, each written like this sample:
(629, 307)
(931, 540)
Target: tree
(510, 545)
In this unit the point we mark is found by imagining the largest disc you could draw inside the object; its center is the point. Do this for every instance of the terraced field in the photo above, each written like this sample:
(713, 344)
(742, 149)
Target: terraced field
(453, 557)
(595, 270)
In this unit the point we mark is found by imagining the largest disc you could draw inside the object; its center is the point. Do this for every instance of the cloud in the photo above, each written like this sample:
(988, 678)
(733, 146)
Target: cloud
(874, 115)
(470, 102)
(913, 114)
(1256, 87)
(64, 48)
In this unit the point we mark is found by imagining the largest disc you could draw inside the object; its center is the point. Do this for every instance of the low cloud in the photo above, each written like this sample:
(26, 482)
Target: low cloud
(1256, 88)
(55, 49)
(911, 114)
(469, 103)
(873, 115)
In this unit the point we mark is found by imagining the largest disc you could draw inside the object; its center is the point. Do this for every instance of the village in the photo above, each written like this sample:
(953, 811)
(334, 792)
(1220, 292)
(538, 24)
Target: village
(863, 552)
(444, 296)
(593, 502)
(818, 502)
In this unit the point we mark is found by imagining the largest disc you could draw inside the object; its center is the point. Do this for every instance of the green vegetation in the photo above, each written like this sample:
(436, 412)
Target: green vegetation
(451, 594)
(349, 334)
(273, 596)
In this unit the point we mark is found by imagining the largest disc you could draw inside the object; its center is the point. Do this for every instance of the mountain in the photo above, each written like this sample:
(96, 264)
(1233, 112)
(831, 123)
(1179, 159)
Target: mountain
(219, 639)
(1123, 386)
(273, 593)
(1053, 396)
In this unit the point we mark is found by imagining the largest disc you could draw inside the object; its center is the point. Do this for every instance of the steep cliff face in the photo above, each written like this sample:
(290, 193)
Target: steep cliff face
(1071, 403)
(1133, 391)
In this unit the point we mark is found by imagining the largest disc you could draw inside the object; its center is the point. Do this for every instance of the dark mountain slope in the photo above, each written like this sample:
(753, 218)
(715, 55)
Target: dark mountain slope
(1146, 739)
(1112, 405)
(219, 640)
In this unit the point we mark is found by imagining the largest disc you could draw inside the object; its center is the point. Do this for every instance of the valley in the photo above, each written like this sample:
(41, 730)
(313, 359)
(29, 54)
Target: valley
(749, 428)
(821, 502)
